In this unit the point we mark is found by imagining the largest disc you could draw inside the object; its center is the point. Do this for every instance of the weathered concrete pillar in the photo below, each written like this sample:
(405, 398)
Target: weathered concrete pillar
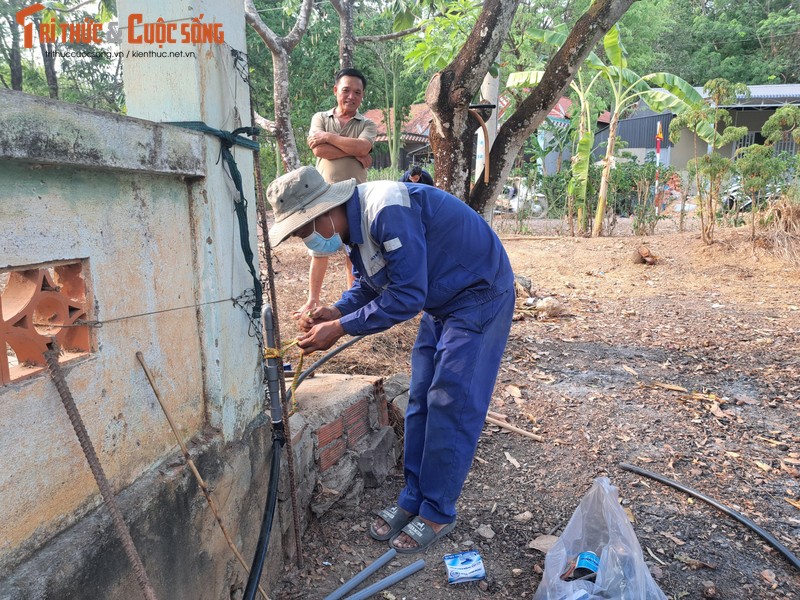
(196, 74)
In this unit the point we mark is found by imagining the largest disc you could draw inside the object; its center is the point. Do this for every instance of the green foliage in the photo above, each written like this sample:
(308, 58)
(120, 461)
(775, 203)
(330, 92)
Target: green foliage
(444, 36)
(387, 174)
(754, 42)
(758, 167)
(91, 79)
(313, 65)
(580, 168)
(783, 124)
(554, 188)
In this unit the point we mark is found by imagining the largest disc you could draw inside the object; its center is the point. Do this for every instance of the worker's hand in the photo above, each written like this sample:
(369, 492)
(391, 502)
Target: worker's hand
(321, 337)
(366, 160)
(306, 309)
(321, 314)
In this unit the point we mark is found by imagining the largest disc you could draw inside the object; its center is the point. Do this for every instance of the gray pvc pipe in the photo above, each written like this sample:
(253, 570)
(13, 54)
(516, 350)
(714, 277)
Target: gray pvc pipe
(387, 581)
(273, 365)
(359, 577)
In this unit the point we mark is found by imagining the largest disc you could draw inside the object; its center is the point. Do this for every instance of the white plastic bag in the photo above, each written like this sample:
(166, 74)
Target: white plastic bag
(601, 526)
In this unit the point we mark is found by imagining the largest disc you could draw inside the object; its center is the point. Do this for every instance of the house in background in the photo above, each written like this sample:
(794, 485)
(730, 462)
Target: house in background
(414, 145)
(639, 130)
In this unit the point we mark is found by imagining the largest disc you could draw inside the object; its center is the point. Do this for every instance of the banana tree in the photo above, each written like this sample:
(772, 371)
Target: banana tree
(628, 88)
(581, 156)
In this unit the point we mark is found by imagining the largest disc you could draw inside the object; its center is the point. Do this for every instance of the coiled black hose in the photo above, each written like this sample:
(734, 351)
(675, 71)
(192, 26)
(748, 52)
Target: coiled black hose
(730, 512)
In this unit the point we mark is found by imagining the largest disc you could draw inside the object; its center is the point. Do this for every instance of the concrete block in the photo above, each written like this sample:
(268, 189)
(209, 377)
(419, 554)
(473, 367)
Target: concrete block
(376, 456)
(335, 483)
(396, 385)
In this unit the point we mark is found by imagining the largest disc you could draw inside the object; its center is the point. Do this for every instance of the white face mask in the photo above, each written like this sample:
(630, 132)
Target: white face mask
(316, 242)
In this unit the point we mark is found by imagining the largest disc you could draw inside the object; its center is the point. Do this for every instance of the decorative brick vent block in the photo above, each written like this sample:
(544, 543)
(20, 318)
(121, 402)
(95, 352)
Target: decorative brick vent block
(37, 304)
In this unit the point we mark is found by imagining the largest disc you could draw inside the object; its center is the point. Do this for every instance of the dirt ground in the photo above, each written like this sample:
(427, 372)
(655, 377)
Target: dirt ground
(688, 368)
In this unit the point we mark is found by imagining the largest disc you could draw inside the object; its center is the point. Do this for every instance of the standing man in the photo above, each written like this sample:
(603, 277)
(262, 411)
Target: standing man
(341, 139)
(414, 248)
(417, 174)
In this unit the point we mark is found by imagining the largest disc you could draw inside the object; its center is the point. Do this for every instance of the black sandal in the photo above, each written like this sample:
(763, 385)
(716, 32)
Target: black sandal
(423, 534)
(395, 517)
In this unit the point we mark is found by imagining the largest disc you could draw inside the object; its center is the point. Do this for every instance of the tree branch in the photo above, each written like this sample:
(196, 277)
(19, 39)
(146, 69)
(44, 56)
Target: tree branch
(559, 72)
(390, 36)
(264, 123)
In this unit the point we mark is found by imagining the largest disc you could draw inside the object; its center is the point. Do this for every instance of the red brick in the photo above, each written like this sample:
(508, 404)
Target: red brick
(330, 432)
(383, 411)
(331, 454)
(378, 390)
(356, 412)
(356, 432)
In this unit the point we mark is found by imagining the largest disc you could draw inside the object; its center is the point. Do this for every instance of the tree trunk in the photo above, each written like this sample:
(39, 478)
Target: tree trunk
(532, 111)
(347, 39)
(49, 60)
(602, 196)
(15, 56)
(449, 94)
(284, 133)
(398, 123)
(280, 48)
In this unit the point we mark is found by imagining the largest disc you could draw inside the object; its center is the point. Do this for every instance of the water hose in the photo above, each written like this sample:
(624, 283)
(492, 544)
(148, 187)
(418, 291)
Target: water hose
(274, 368)
(275, 467)
(731, 513)
(353, 582)
(322, 361)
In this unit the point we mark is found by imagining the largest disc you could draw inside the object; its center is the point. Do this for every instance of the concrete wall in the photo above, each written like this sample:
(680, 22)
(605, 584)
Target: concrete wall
(69, 192)
(129, 200)
(205, 84)
(146, 210)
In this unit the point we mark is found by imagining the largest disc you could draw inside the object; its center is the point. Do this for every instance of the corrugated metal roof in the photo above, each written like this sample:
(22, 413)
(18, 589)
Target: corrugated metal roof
(765, 96)
(768, 91)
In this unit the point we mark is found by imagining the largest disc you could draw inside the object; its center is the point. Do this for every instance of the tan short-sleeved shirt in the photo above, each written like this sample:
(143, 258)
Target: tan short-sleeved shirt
(358, 127)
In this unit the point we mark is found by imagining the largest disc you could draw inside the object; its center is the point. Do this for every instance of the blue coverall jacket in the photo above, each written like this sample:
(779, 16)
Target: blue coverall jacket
(417, 248)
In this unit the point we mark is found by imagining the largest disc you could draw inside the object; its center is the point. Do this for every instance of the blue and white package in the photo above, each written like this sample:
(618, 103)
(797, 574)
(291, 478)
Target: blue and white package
(464, 566)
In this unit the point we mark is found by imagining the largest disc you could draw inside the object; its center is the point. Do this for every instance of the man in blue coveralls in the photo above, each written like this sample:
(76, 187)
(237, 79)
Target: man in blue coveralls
(414, 248)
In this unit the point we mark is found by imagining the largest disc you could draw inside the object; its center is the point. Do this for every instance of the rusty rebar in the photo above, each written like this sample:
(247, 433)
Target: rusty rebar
(193, 468)
(57, 375)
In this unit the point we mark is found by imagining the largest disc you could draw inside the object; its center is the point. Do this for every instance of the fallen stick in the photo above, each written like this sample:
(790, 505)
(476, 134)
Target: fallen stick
(505, 425)
(497, 415)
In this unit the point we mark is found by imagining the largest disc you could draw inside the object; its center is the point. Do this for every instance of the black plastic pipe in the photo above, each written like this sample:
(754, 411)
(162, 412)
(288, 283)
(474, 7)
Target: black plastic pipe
(322, 361)
(278, 439)
(730, 512)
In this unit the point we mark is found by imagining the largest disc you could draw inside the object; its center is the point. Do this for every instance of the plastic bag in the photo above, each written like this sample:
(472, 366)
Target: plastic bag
(599, 525)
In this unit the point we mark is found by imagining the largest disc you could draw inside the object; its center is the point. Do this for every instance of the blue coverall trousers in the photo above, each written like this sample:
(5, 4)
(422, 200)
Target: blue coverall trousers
(454, 366)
